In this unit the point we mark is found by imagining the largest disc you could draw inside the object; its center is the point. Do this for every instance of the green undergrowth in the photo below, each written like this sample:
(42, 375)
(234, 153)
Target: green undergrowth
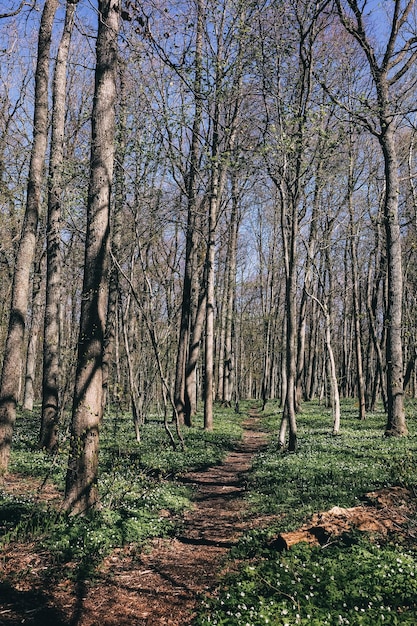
(330, 470)
(141, 494)
(355, 579)
(354, 582)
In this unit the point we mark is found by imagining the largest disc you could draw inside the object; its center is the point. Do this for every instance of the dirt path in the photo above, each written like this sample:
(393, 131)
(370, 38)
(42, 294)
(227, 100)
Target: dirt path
(160, 587)
(163, 586)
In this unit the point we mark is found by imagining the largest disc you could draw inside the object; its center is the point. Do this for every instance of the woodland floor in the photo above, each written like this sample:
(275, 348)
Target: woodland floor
(163, 585)
(160, 586)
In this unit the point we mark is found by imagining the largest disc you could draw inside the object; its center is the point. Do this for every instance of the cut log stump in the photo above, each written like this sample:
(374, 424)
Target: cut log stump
(387, 510)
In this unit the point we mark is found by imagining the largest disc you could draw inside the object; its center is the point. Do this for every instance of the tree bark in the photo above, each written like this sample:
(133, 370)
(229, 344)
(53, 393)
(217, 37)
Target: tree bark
(192, 237)
(311, 246)
(360, 384)
(35, 331)
(81, 492)
(289, 227)
(210, 303)
(396, 423)
(48, 437)
(327, 311)
(371, 305)
(193, 354)
(228, 372)
(12, 360)
(135, 401)
(116, 230)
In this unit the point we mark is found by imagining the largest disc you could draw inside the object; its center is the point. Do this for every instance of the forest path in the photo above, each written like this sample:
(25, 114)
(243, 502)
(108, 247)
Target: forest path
(161, 587)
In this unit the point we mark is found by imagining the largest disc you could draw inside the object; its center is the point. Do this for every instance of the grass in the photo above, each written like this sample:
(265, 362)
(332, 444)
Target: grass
(140, 495)
(359, 583)
(329, 470)
(356, 580)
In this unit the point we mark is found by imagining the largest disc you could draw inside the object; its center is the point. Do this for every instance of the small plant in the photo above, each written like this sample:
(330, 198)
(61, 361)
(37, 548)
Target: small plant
(351, 581)
(362, 584)
(140, 496)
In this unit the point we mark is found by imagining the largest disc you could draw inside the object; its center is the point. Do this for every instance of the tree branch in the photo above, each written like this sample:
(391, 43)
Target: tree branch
(13, 13)
(411, 60)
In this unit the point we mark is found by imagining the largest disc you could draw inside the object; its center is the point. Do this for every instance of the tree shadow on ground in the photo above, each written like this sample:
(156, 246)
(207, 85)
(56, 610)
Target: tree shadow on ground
(27, 607)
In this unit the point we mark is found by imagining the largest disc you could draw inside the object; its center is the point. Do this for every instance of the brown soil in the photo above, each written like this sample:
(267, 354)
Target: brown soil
(158, 587)
(163, 585)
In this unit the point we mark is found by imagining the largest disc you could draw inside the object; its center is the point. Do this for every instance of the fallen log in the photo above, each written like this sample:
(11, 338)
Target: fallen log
(383, 514)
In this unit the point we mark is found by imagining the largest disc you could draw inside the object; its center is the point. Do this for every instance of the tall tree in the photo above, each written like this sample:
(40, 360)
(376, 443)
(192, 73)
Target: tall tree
(182, 403)
(287, 139)
(48, 437)
(81, 492)
(230, 294)
(225, 118)
(353, 235)
(12, 360)
(110, 340)
(387, 69)
(38, 300)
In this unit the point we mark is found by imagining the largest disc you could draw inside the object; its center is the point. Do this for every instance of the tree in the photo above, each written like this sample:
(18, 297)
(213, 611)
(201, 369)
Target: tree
(48, 437)
(12, 360)
(387, 70)
(287, 138)
(38, 301)
(353, 235)
(227, 357)
(81, 482)
(183, 402)
(228, 97)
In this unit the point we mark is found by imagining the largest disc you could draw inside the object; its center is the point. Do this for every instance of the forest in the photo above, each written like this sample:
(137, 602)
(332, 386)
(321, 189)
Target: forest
(208, 277)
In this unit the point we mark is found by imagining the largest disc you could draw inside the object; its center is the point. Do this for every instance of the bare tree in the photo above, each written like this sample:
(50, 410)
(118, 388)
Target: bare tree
(182, 401)
(12, 361)
(48, 437)
(81, 482)
(287, 137)
(387, 70)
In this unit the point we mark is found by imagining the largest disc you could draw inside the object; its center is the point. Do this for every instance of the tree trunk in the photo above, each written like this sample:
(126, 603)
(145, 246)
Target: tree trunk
(210, 303)
(48, 437)
(192, 236)
(193, 354)
(81, 482)
(35, 329)
(135, 401)
(116, 230)
(12, 360)
(371, 305)
(396, 423)
(346, 356)
(221, 333)
(355, 295)
(289, 227)
(333, 377)
(326, 308)
(230, 300)
(311, 374)
(307, 288)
